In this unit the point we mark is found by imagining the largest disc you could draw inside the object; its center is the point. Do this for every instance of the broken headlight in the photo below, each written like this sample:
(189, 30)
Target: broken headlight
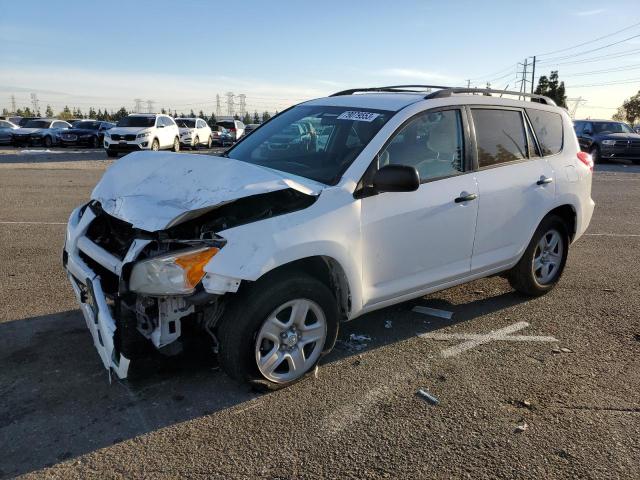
(177, 273)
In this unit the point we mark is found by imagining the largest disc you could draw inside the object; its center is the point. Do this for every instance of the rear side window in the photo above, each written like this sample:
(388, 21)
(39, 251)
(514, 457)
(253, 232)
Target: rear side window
(548, 129)
(500, 136)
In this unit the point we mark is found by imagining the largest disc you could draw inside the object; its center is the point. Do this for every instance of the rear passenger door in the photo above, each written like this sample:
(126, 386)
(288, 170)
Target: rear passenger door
(516, 186)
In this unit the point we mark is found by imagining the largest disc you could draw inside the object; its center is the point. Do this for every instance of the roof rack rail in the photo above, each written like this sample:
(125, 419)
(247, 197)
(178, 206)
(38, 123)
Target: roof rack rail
(448, 91)
(392, 88)
(443, 91)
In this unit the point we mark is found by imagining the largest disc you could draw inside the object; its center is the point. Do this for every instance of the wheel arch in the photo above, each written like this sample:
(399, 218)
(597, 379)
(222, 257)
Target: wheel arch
(327, 270)
(569, 215)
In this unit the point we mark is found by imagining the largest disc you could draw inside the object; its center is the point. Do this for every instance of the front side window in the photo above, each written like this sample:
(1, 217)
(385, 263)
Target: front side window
(432, 142)
(611, 127)
(548, 129)
(314, 141)
(500, 136)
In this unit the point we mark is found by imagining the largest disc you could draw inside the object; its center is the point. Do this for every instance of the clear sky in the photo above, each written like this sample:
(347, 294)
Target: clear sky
(182, 53)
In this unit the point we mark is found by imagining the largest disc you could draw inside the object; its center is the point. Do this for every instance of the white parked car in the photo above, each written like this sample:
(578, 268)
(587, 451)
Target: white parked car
(194, 133)
(142, 131)
(266, 249)
(235, 127)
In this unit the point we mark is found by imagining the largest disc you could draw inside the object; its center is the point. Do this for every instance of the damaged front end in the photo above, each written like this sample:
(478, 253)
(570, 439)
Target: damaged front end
(138, 287)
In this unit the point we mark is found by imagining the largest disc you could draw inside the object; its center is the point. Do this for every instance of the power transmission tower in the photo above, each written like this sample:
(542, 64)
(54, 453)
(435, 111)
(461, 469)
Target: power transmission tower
(243, 104)
(468, 83)
(230, 110)
(573, 104)
(218, 109)
(138, 105)
(13, 104)
(150, 106)
(34, 103)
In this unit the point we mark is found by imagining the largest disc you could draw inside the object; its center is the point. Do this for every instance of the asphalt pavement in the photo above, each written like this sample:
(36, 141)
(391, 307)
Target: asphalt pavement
(542, 388)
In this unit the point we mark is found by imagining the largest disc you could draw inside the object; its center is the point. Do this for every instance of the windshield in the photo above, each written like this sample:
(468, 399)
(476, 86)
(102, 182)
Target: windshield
(136, 122)
(87, 125)
(37, 124)
(611, 127)
(186, 123)
(317, 142)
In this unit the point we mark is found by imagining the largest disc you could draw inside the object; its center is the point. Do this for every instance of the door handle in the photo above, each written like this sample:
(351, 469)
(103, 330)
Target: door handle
(466, 197)
(544, 180)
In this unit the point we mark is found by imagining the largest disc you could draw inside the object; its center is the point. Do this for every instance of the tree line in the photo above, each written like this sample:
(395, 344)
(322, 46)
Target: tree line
(113, 116)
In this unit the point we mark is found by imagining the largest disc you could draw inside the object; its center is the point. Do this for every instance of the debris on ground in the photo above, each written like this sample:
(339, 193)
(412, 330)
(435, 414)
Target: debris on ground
(561, 350)
(355, 343)
(479, 292)
(428, 397)
(523, 404)
(522, 428)
(434, 312)
(388, 324)
(609, 289)
(315, 372)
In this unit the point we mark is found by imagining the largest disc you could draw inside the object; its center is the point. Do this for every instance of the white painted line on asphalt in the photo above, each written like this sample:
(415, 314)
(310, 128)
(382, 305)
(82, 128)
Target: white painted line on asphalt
(612, 234)
(434, 312)
(473, 340)
(32, 223)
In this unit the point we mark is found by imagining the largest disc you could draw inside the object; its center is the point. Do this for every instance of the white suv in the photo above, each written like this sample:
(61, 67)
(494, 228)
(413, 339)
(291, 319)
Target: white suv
(142, 131)
(194, 132)
(382, 197)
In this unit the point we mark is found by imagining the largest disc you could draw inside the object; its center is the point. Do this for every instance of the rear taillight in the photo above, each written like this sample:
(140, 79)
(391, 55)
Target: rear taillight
(585, 158)
(232, 129)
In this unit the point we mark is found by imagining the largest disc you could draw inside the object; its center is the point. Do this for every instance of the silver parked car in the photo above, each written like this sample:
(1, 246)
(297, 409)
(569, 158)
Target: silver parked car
(6, 127)
(43, 131)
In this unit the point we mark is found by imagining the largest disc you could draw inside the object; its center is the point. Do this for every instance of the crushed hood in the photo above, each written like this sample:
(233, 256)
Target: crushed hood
(152, 190)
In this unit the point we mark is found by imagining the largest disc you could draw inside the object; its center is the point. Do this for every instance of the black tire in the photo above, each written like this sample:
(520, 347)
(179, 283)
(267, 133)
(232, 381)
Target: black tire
(249, 309)
(93, 143)
(47, 142)
(112, 154)
(155, 145)
(595, 155)
(522, 276)
(176, 145)
(209, 142)
(196, 144)
(636, 161)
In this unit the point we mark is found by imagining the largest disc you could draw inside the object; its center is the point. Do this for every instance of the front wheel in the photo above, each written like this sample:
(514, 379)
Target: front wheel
(47, 142)
(542, 263)
(176, 144)
(196, 143)
(155, 145)
(209, 142)
(276, 330)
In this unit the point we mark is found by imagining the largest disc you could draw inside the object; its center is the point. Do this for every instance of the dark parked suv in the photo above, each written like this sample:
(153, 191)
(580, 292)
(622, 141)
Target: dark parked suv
(607, 139)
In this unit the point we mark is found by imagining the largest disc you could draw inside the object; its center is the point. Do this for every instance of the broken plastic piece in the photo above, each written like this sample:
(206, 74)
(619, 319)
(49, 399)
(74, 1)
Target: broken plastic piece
(428, 397)
(434, 312)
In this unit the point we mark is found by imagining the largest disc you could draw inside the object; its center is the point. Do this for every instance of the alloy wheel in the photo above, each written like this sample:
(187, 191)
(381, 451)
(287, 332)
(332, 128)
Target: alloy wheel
(290, 340)
(547, 257)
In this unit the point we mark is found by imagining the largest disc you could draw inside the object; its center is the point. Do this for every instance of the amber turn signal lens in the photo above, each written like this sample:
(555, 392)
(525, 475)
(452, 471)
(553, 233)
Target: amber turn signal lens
(193, 264)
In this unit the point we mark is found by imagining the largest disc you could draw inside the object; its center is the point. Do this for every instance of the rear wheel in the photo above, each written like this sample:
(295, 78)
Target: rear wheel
(595, 155)
(543, 261)
(176, 144)
(276, 330)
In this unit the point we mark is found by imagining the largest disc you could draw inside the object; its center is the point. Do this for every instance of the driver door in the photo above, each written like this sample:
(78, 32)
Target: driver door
(414, 240)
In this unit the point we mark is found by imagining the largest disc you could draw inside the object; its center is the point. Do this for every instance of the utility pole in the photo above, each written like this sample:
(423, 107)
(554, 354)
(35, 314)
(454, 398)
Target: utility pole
(13, 104)
(218, 109)
(230, 103)
(533, 74)
(468, 83)
(150, 106)
(138, 105)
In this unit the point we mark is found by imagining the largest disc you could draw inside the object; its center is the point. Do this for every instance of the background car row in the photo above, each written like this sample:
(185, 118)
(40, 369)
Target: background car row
(47, 132)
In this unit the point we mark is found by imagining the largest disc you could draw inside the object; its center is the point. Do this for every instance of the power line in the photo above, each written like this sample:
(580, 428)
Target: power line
(606, 70)
(619, 82)
(593, 49)
(595, 59)
(590, 41)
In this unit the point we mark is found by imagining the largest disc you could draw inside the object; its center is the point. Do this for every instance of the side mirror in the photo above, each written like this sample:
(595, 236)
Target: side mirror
(160, 126)
(396, 178)
(587, 132)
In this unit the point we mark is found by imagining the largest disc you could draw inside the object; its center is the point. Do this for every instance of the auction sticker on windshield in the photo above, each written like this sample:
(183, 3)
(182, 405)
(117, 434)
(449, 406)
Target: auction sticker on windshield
(359, 116)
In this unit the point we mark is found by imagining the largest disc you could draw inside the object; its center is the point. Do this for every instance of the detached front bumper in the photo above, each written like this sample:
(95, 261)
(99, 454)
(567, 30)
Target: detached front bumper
(88, 287)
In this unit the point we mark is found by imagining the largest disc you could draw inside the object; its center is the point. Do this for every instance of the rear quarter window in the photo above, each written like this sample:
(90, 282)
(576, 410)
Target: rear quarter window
(548, 128)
